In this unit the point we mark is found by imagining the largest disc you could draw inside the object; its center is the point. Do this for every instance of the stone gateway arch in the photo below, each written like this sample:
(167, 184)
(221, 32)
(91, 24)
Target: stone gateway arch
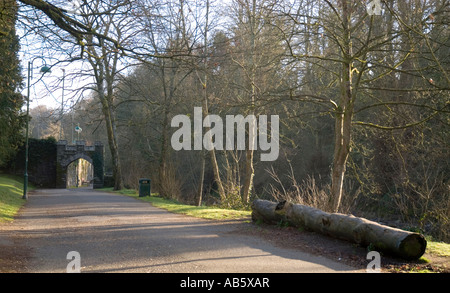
(66, 154)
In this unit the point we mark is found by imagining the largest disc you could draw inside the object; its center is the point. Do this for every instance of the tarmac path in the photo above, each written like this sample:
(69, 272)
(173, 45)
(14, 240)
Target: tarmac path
(115, 233)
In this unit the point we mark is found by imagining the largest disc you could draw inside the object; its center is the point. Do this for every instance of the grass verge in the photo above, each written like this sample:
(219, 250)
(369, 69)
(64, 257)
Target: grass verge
(438, 248)
(11, 192)
(204, 212)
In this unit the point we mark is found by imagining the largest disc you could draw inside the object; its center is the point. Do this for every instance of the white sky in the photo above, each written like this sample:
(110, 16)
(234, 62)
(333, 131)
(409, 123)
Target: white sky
(47, 89)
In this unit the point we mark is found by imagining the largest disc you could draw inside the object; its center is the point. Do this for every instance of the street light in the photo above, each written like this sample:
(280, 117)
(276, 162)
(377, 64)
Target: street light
(44, 69)
(62, 105)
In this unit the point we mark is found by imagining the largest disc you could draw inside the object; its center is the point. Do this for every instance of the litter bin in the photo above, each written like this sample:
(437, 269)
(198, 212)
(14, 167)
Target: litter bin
(144, 187)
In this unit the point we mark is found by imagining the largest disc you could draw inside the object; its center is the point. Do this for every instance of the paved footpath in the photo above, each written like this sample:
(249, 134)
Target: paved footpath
(114, 233)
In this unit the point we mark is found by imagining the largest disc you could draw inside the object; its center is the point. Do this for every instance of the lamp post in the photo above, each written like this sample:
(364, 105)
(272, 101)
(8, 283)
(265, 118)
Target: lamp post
(62, 106)
(44, 70)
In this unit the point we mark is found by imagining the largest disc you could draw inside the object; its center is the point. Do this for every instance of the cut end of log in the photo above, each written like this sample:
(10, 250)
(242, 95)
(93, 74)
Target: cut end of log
(413, 246)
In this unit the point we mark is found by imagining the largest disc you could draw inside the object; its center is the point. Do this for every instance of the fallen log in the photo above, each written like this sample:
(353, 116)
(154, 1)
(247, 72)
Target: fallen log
(393, 241)
(267, 211)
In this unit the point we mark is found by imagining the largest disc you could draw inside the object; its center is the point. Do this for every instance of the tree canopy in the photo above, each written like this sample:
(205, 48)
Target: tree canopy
(11, 101)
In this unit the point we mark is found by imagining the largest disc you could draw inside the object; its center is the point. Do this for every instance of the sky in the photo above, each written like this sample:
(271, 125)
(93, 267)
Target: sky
(48, 89)
(45, 89)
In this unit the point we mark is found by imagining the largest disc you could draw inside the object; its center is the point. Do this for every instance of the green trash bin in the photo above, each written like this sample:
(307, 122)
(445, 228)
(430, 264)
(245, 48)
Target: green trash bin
(144, 187)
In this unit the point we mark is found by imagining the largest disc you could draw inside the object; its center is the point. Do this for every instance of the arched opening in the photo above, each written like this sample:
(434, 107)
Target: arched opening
(80, 173)
(70, 172)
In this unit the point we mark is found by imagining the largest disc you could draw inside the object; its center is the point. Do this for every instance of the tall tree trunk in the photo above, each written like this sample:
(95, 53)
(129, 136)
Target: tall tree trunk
(109, 117)
(168, 85)
(217, 174)
(110, 72)
(104, 74)
(341, 152)
(213, 157)
(249, 170)
(249, 174)
(212, 152)
(202, 178)
(113, 145)
(344, 114)
(205, 67)
(164, 156)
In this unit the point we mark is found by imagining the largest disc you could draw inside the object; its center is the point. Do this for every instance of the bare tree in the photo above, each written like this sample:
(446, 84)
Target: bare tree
(354, 42)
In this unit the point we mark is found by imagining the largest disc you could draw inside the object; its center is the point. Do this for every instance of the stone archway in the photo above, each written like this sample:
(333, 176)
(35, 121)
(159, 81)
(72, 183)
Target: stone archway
(80, 172)
(66, 154)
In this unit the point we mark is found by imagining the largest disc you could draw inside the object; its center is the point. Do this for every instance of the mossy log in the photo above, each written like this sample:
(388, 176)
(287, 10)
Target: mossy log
(393, 241)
